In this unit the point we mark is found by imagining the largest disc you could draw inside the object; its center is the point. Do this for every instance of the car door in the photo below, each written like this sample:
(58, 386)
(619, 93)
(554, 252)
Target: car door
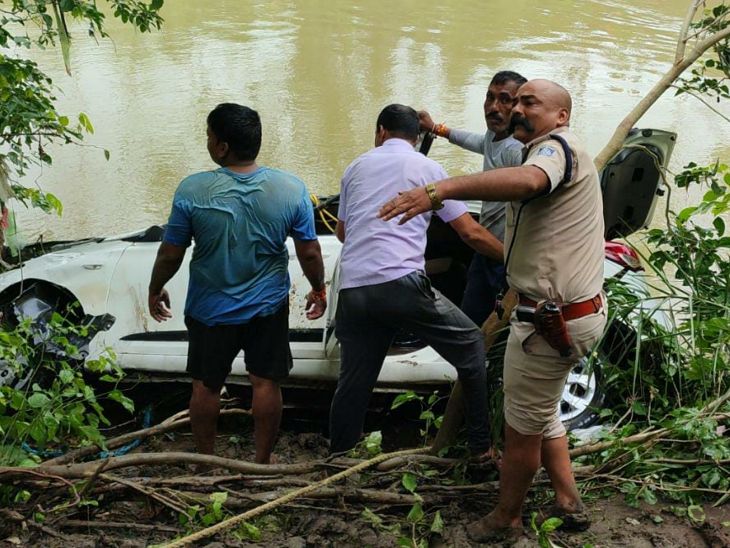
(142, 343)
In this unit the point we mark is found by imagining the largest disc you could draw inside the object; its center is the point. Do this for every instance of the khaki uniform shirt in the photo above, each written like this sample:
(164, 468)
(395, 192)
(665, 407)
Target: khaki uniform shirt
(557, 244)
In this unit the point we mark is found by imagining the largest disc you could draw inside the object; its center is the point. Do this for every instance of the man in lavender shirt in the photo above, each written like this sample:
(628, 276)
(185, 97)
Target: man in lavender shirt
(383, 285)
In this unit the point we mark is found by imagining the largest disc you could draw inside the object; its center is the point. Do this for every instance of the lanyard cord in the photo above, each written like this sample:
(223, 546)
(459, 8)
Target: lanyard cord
(567, 176)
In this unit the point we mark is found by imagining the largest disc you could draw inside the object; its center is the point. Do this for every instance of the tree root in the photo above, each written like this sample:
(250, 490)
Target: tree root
(171, 423)
(298, 493)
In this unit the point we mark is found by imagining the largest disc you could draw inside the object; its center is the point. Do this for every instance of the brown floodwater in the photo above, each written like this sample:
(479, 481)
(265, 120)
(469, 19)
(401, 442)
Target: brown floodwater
(319, 73)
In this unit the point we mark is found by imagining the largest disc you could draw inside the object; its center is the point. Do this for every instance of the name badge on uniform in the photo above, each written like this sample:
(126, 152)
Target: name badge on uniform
(546, 151)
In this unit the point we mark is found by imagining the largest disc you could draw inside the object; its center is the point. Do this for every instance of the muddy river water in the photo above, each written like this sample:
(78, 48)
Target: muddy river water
(319, 72)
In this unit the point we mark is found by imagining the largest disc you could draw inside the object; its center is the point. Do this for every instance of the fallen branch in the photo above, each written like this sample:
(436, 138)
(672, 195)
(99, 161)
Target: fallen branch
(397, 462)
(153, 494)
(17, 517)
(86, 469)
(709, 409)
(238, 499)
(298, 493)
(171, 423)
(116, 525)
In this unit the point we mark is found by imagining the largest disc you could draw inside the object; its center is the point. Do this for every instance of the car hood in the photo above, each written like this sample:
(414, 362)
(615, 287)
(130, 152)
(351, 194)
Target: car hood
(84, 269)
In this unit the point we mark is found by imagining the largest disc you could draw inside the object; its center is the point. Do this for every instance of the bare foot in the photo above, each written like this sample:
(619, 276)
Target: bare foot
(488, 529)
(490, 457)
(273, 459)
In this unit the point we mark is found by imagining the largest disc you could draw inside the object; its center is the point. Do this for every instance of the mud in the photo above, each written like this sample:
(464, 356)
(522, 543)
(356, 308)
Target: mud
(340, 520)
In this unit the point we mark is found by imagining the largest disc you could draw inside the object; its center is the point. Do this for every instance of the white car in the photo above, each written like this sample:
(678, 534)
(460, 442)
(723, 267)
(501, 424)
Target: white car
(109, 278)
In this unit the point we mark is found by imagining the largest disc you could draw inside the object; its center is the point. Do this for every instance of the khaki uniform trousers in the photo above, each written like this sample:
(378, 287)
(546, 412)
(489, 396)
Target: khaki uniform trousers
(535, 373)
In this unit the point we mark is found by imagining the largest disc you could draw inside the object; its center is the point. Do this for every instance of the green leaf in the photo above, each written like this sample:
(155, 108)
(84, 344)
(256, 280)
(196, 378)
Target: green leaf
(416, 513)
(404, 398)
(219, 496)
(427, 415)
(249, 531)
(719, 225)
(85, 122)
(639, 408)
(409, 482)
(550, 524)
(371, 517)
(437, 526)
(696, 513)
(373, 442)
(119, 397)
(66, 376)
(686, 213)
(38, 399)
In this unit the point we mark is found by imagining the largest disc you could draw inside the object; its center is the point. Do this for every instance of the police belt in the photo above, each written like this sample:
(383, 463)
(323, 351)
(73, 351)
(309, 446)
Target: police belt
(571, 311)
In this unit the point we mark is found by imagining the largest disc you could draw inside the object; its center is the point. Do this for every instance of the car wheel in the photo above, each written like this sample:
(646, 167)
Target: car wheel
(583, 395)
(38, 302)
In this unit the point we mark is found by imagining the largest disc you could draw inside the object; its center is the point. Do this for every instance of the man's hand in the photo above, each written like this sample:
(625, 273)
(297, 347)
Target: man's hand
(425, 121)
(411, 203)
(159, 304)
(316, 303)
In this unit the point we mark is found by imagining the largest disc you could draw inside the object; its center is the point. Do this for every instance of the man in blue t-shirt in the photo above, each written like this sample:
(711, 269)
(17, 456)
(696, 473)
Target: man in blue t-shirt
(240, 216)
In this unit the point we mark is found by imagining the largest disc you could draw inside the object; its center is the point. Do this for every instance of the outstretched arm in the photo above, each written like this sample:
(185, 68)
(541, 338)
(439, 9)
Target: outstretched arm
(168, 261)
(496, 185)
(477, 237)
(309, 254)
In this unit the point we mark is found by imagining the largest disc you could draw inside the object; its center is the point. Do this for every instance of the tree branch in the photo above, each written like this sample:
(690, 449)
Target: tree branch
(682, 40)
(614, 144)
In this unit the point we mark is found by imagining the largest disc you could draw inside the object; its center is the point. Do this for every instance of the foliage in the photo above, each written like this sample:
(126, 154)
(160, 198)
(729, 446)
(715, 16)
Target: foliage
(544, 530)
(431, 421)
(209, 514)
(710, 75)
(50, 404)
(672, 372)
(418, 526)
(29, 121)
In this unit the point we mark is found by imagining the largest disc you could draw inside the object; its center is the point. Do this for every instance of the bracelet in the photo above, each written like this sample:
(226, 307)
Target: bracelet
(319, 295)
(439, 130)
(436, 202)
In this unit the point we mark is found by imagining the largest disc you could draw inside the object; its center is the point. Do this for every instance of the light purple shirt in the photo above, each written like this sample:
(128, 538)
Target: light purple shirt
(376, 251)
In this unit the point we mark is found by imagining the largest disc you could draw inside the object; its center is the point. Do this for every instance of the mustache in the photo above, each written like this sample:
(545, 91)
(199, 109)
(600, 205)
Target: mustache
(520, 121)
(494, 116)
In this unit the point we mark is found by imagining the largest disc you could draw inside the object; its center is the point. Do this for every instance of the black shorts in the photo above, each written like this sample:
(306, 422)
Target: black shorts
(263, 339)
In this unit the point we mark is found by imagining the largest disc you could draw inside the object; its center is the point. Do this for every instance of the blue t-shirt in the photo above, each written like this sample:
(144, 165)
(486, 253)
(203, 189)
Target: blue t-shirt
(240, 223)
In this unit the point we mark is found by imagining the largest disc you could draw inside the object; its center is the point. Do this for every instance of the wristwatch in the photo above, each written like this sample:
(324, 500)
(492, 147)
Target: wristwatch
(436, 202)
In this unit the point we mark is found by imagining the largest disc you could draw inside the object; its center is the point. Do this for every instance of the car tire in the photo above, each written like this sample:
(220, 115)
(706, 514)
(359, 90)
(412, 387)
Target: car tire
(583, 395)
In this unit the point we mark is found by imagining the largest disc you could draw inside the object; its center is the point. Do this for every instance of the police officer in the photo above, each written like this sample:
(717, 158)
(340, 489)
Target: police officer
(553, 253)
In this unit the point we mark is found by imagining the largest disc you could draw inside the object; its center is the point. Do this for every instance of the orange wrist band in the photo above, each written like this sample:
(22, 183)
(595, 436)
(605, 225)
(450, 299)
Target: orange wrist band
(440, 130)
(319, 294)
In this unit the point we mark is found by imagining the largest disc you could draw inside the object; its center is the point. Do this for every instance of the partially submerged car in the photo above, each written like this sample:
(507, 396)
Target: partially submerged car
(109, 278)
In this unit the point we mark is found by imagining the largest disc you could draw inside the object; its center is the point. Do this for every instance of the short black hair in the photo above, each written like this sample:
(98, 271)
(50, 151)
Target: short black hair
(240, 127)
(400, 120)
(504, 76)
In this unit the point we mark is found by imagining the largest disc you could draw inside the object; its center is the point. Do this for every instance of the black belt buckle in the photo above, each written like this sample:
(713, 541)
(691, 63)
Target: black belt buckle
(525, 313)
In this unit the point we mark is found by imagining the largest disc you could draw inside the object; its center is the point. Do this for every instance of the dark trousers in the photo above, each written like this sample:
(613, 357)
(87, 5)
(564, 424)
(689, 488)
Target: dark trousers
(366, 320)
(484, 281)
